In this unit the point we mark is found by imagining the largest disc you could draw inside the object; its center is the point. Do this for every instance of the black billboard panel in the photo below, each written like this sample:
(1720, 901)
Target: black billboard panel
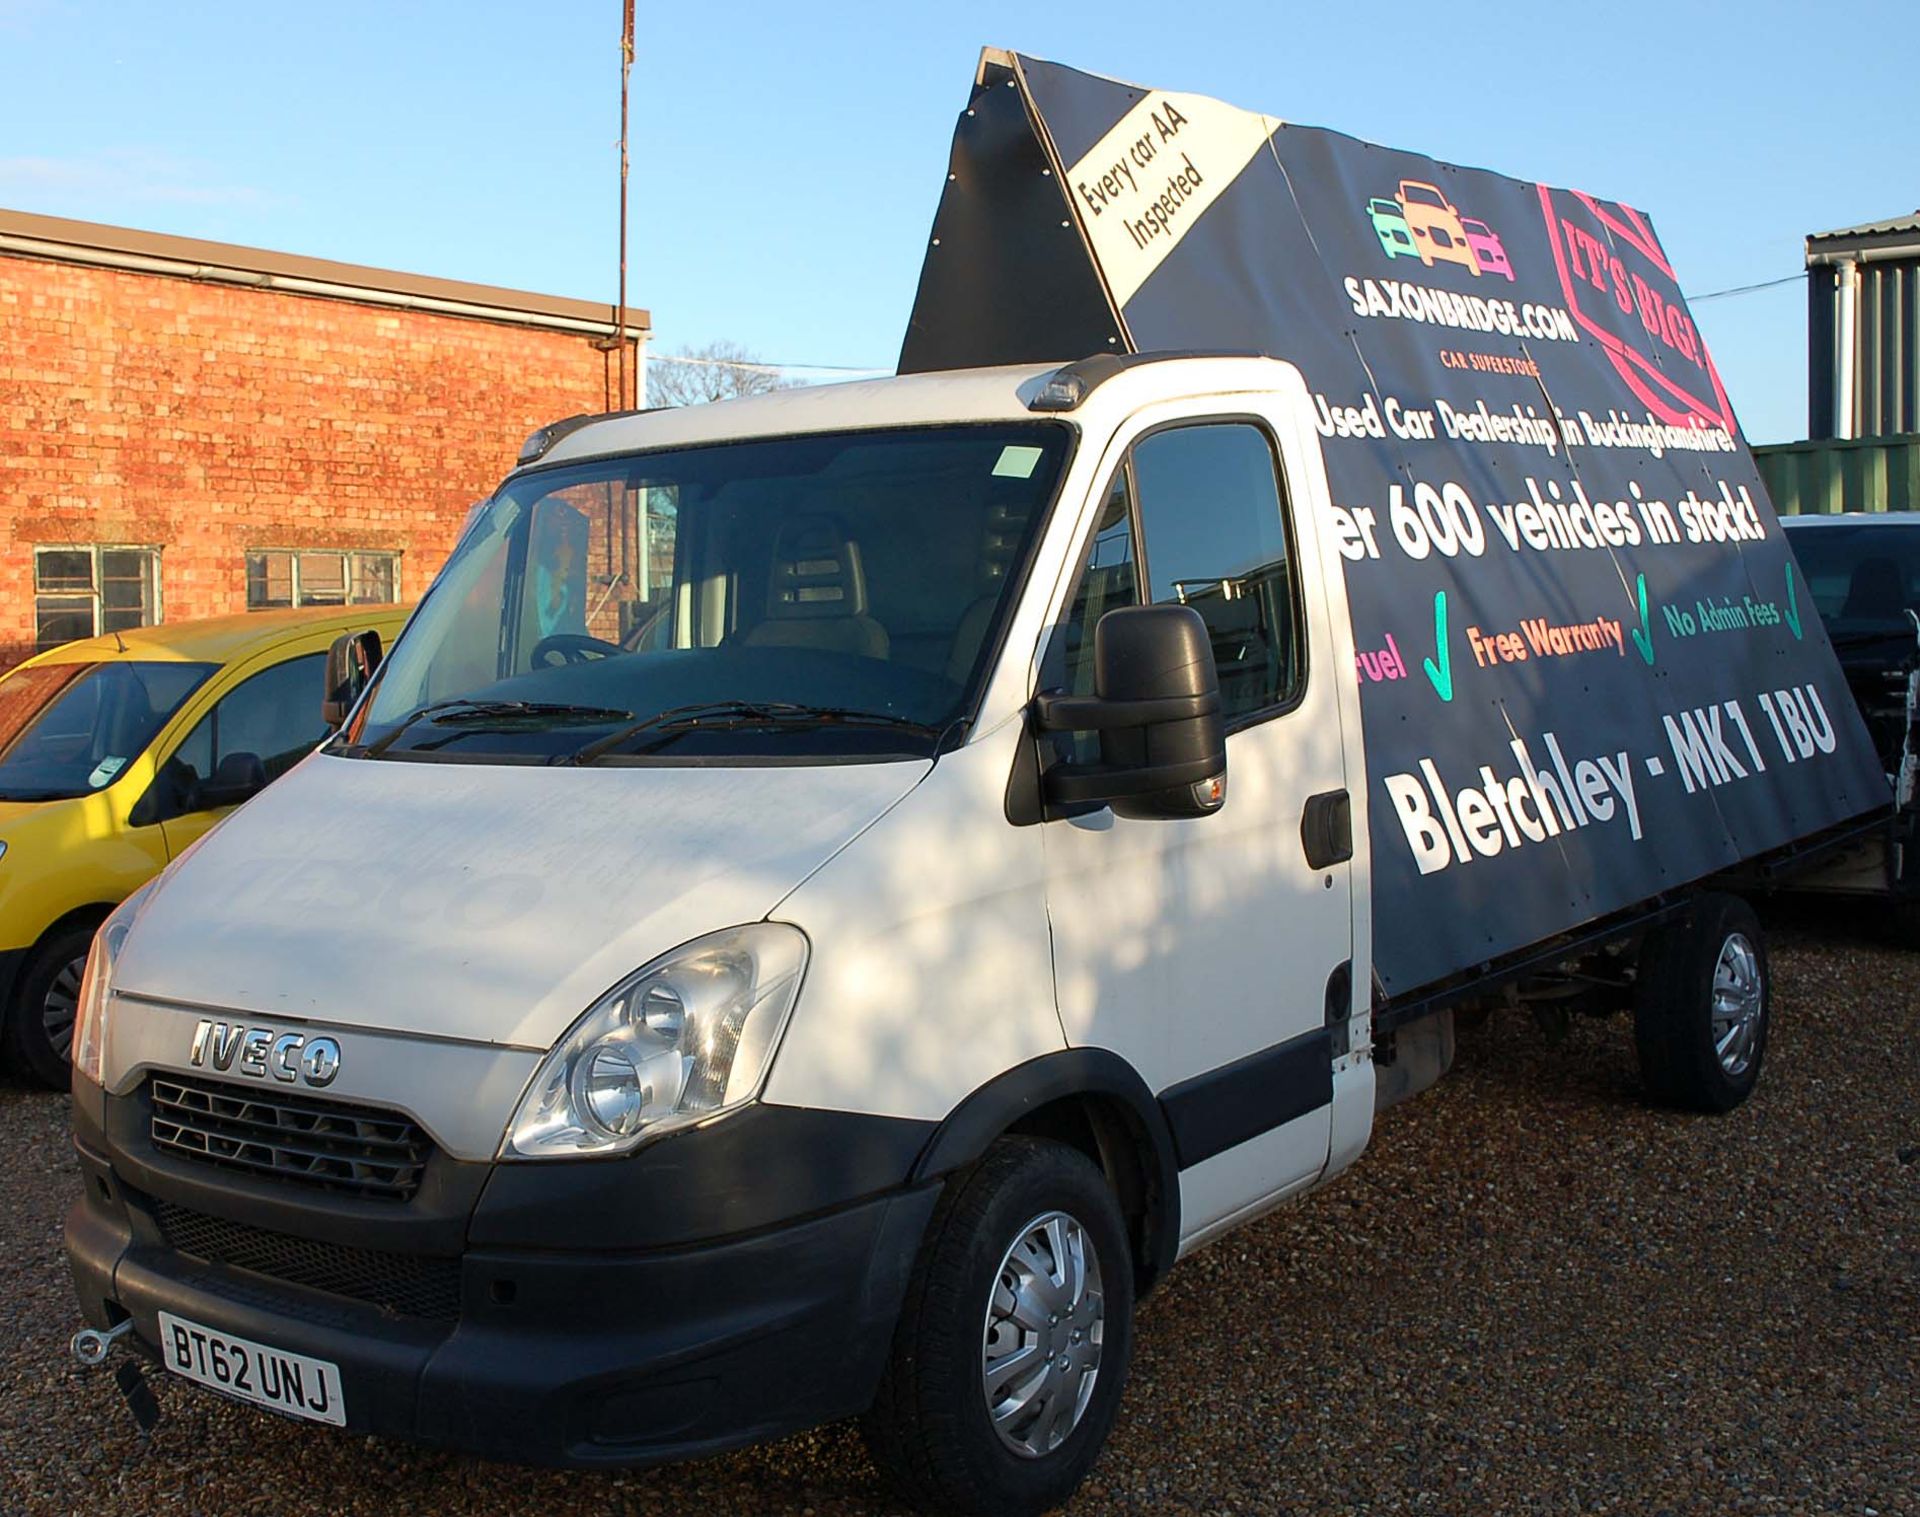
(1588, 670)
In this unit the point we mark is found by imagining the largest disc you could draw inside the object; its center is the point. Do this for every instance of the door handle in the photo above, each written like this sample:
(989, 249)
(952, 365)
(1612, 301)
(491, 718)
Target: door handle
(1326, 829)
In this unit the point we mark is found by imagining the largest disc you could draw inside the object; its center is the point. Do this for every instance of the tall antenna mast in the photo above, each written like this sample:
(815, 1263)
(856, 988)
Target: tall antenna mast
(620, 310)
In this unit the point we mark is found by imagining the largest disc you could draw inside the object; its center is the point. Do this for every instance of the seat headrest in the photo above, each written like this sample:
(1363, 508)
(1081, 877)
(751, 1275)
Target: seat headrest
(816, 572)
(1876, 592)
(1005, 526)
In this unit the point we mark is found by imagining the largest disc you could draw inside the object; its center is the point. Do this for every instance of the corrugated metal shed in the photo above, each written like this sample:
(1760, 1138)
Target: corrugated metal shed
(1872, 231)
(1811, 478)
(1863, 329)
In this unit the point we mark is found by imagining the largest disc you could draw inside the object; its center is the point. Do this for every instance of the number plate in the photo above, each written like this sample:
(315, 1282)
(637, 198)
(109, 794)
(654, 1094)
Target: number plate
(269, 1377)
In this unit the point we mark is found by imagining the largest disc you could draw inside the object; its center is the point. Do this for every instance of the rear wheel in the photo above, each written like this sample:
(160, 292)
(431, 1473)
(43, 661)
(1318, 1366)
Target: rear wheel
(1702, 1006)
(1013, 1344)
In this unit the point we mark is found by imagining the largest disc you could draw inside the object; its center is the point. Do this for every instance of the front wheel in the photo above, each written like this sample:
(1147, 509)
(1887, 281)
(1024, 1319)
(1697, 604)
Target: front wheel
(1013, 1344)
(1703, 1005)
(39, 1025)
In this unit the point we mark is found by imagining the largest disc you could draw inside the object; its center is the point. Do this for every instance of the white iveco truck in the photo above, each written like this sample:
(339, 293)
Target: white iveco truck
(837, 955)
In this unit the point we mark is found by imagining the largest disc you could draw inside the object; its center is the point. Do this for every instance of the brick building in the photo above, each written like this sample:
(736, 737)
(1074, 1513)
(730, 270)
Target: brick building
(189, 428)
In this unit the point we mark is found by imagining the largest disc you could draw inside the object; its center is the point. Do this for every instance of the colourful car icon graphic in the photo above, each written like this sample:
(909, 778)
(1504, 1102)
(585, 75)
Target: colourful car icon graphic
(1438, 235)
(1488, 254)
(1390, 226)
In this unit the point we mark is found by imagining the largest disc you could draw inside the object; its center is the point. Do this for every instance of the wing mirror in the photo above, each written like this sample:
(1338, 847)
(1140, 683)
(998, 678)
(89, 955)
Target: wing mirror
(1156, 708)
(350, 664)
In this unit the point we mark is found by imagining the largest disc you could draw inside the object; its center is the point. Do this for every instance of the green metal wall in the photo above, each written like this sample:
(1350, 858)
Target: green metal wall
(1813, 478)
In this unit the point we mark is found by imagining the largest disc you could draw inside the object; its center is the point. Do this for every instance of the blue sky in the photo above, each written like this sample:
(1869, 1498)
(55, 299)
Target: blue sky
(787, 159)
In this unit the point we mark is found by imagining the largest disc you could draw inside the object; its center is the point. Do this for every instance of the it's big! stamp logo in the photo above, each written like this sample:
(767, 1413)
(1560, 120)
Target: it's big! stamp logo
(1623, 294)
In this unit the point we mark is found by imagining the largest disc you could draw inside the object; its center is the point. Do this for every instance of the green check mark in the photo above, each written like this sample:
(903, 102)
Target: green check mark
(1793, 604)
(1441, 673)
(1643, 634)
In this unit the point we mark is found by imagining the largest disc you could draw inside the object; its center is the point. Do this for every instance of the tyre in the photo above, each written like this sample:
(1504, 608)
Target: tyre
(1702, 1006)
(1013, 1344)
(1902, 922)
(39, 1025)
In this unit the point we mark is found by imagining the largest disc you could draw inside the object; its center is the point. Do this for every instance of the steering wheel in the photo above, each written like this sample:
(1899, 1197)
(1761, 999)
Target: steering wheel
(558, 648)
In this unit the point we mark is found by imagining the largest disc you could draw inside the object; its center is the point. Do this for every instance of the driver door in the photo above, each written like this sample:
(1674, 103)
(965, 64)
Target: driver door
(1201, 950)
(274, 716)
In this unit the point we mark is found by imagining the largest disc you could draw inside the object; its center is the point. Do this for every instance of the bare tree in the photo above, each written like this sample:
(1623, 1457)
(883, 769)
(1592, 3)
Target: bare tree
(717, 371)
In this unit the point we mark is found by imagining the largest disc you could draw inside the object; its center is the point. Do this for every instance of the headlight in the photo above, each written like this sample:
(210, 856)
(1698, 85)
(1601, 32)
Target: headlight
(90, 1019)
(687, 1037)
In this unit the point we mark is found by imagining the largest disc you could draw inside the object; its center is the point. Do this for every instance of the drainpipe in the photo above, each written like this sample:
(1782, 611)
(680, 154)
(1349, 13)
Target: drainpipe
(1846, 284)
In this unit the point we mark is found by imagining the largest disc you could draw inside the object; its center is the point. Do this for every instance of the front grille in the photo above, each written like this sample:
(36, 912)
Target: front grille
(359, 1149)
(410, 1285)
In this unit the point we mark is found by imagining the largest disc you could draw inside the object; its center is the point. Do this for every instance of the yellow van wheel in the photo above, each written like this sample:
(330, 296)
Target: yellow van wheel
(39, 1026)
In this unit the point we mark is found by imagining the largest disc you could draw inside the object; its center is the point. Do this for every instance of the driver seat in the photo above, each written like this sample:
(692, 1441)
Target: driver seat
(817, 594)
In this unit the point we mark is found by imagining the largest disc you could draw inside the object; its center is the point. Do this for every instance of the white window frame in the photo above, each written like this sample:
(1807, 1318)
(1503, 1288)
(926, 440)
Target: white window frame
(97, 593)
(349, 555)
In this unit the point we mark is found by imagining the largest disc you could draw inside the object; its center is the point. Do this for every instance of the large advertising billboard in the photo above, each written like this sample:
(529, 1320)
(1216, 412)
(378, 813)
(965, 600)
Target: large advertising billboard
(1588, 670)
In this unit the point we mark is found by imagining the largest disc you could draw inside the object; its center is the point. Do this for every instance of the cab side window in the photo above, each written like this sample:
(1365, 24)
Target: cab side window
(1108, 578)
(1214, 522)
(275, 716)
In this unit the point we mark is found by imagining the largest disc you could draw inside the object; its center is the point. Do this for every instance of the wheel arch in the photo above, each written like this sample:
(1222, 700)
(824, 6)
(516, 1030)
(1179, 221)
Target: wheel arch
(14, 972)
(93, 914)
(25, 1044)
(1092, 1100)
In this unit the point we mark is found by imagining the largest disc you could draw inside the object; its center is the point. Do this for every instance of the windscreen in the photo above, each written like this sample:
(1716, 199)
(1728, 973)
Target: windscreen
(70, 729)
(822, 595)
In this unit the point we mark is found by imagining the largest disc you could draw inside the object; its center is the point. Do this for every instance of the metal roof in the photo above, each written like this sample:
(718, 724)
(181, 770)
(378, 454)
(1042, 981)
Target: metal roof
(25, 235)
(1897, 237)
(1871, 228)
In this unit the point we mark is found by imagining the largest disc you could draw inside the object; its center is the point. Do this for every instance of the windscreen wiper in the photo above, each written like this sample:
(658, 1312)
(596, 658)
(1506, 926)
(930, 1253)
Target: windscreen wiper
(536, 714)
(728, 716)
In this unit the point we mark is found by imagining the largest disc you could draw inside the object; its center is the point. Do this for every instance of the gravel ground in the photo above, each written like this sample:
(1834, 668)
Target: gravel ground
(1532, 1295)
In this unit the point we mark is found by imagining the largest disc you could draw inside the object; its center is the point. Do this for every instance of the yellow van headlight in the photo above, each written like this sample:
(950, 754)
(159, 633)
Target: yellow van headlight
(687, 1037)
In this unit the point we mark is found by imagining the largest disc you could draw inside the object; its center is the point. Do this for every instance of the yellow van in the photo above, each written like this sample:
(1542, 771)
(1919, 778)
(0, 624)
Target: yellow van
(116, 752)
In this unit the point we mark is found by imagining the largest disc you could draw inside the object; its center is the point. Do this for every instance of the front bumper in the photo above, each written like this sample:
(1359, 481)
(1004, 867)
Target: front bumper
(558, 1355)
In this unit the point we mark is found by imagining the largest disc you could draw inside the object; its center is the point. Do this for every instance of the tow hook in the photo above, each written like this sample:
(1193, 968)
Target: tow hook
(90, 1346)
